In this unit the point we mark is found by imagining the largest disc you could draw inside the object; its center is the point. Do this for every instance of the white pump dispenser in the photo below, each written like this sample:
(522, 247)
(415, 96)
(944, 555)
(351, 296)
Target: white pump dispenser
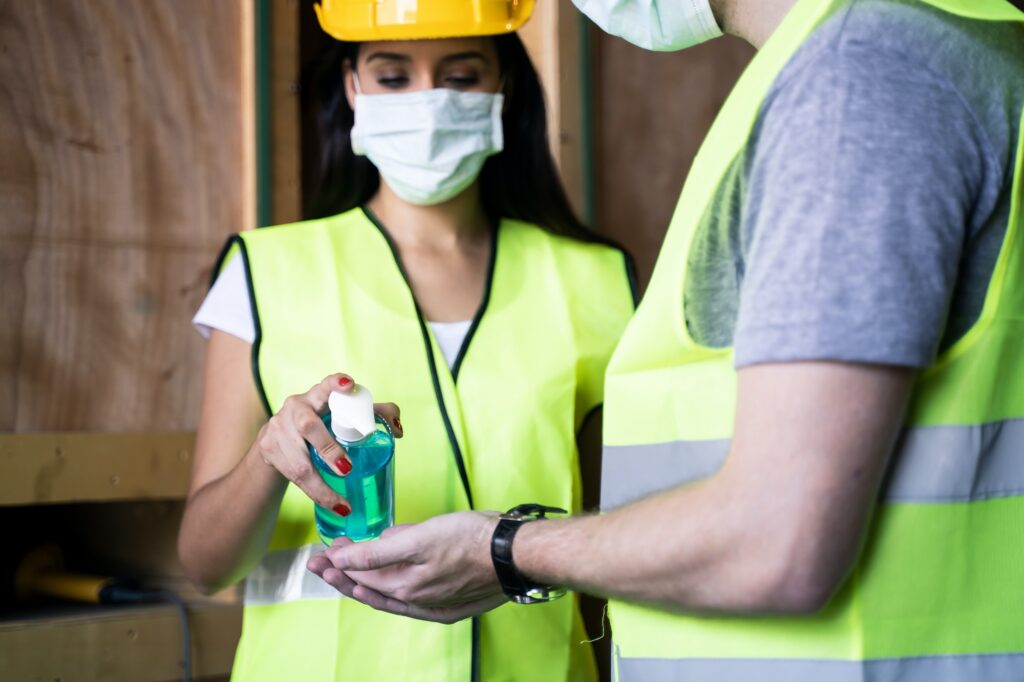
(352, 414)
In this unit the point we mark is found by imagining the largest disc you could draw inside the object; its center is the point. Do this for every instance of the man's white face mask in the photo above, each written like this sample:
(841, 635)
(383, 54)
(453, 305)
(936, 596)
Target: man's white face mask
(428, 145)
(663, 25)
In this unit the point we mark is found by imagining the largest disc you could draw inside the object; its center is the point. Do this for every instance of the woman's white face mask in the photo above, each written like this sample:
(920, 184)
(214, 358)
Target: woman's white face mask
(662, 25)
(428, 145)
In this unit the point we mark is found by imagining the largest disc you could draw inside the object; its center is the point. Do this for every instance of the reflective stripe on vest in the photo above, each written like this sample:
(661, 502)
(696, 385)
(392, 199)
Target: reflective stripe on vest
(934, 464)
(986, 668)
(282, 577)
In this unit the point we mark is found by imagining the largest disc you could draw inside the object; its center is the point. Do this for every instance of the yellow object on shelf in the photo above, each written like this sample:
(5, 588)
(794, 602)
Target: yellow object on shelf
(41, 573)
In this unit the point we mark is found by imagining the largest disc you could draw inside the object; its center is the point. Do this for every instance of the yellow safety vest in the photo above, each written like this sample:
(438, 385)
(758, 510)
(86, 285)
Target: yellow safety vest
(330, 295)
(938, 592)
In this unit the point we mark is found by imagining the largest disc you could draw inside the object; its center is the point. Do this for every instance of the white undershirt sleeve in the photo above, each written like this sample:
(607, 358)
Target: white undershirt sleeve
(227, 306)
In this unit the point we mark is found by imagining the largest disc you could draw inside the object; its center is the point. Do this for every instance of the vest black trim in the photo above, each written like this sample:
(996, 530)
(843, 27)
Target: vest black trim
(460, 462)
(257, 327)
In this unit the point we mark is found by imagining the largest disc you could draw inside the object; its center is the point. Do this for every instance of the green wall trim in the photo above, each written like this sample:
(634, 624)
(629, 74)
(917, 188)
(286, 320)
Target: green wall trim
(586, 123)
(264, 172)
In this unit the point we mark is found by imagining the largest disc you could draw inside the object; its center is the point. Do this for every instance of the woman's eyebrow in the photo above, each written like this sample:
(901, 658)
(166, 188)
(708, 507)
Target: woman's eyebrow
(388, 55)
(397, 56)
(464, 55)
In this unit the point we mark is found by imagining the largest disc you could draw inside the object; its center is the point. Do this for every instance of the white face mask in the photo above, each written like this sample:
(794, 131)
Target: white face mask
(653, 25)
(428, 145)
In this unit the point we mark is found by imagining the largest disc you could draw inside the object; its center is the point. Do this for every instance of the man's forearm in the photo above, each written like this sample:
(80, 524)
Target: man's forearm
(775, 530)
(679, 549)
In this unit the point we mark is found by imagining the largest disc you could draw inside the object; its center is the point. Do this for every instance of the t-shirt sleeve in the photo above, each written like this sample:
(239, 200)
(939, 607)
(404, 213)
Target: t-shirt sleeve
(862, 182)
(227, 305)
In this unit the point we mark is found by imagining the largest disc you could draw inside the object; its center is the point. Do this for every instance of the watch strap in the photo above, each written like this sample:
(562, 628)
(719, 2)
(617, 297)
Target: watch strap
(514, 584)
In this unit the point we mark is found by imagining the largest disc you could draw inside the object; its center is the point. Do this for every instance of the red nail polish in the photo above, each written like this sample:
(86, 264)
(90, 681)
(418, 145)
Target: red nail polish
(344, 466)
(342, 510)
(397, 423)
(344, 382)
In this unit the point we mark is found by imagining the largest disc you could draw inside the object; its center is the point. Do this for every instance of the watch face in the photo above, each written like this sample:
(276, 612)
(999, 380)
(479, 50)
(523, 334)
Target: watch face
(540, 594)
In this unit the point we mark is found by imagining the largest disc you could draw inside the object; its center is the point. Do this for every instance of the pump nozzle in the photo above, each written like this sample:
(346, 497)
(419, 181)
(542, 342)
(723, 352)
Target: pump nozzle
(352, 414)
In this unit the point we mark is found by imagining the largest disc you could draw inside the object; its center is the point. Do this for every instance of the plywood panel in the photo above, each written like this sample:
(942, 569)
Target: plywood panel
(104, 340)
(285, 143)
(124, 167)
(552, 38)
(652, 111)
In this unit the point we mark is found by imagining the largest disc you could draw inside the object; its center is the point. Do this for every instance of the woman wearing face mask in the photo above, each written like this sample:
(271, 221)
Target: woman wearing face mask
(448, 274)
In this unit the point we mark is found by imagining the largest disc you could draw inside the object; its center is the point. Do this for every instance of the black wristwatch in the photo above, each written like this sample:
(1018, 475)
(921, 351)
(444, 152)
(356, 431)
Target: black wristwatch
(518, 587)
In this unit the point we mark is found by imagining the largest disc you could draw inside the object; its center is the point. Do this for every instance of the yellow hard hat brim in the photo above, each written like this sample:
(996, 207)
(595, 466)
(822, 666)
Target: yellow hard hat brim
(364, 20)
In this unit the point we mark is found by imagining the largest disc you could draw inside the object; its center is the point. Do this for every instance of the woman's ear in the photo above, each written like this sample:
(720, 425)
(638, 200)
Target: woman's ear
(350, 89)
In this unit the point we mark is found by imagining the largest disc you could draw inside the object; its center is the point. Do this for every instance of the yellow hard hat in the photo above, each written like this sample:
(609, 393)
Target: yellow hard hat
(363, 20)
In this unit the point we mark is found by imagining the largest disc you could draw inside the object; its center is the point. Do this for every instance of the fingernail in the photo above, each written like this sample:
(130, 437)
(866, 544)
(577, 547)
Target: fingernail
(398, 424)
(342, 510)
(344, 382)
(344, 466)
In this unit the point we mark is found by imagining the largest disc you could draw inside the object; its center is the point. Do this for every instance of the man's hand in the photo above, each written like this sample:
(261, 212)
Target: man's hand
(439, 570)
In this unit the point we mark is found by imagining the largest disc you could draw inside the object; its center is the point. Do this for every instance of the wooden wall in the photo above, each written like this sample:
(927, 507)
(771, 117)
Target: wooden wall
(126, 131)
(123, 126)
(552, 39)
(651, 112)
(284, 52)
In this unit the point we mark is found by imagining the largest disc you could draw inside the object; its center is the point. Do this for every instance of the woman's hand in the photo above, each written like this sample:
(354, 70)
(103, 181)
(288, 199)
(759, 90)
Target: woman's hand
(243, 464)
(281, 442)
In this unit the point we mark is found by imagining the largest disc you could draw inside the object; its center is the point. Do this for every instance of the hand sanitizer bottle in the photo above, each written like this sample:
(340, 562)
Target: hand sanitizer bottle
(370, 486)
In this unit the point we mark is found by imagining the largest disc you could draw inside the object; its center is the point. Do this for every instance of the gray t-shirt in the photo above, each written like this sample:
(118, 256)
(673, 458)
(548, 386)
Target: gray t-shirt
(863, 219)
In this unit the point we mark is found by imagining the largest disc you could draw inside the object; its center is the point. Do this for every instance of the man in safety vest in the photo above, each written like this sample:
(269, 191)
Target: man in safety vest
(817, 413)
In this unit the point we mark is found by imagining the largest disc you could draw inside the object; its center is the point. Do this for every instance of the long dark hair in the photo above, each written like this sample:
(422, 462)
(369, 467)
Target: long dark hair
(520, 182)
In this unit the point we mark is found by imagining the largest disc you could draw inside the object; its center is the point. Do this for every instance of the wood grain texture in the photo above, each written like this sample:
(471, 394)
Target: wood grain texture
(51, 468)
(141, 644)
(652, 111)
(286, 143)
(552, 39)
(122, 172)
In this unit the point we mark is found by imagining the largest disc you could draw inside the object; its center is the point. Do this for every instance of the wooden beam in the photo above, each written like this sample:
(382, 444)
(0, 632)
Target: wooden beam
(50, 468)
(142, 644)
(247, 94)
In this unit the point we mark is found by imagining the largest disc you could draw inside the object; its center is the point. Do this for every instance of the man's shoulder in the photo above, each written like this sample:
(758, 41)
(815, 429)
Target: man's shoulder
(884, 58)
(920, 30)
(971, 55)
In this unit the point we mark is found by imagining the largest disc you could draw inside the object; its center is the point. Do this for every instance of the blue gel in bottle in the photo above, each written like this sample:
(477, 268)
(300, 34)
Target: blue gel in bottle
(369, 487)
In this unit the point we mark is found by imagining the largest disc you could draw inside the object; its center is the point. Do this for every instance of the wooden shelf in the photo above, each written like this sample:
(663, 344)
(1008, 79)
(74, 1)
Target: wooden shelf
(53, 468)
(139, 643)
